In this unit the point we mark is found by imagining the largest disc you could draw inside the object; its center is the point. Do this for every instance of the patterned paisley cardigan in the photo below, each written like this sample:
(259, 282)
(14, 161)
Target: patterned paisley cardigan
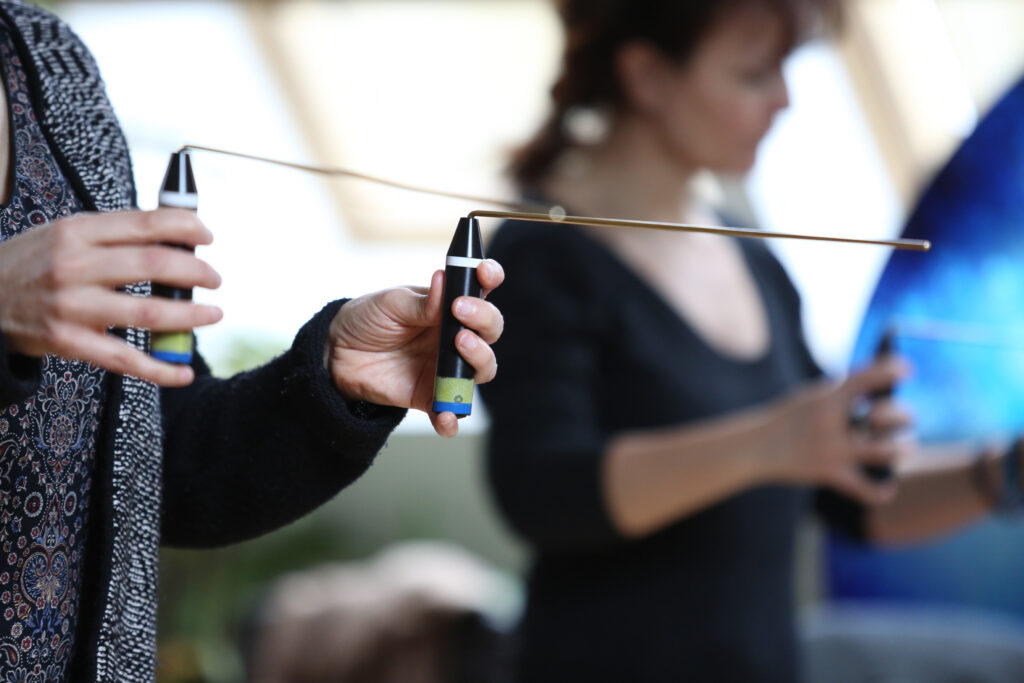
(217, 462)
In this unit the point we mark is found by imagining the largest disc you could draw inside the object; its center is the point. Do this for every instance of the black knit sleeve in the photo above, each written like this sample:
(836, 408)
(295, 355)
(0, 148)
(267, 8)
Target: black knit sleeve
(19, 375)
(251, 453)
(546, 449)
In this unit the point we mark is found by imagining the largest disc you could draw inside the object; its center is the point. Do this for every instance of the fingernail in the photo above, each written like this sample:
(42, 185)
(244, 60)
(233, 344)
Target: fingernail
(468, 341)
(464, 307)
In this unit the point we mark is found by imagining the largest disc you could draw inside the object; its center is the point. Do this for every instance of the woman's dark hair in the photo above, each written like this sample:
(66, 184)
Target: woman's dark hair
(595, 30)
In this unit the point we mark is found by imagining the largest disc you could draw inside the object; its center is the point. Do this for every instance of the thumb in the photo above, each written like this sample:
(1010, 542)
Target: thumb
(421, 309)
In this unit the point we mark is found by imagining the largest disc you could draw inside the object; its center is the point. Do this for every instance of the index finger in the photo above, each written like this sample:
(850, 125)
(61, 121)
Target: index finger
(491, 275)
(879, 375)
(172, 226)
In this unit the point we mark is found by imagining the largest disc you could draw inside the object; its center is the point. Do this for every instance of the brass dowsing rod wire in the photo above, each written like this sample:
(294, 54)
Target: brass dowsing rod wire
(911, 245)
(341, 172)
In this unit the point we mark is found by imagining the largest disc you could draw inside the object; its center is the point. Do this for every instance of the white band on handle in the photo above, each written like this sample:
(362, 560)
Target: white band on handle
(464, 261)
(179, 200)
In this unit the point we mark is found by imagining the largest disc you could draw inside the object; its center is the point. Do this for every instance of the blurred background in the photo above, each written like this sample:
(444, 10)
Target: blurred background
(436, 93)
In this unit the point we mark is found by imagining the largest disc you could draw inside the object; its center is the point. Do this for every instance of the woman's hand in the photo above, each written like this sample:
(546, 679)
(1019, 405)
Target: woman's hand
(57, 285)
(383, 347)
(812, 440)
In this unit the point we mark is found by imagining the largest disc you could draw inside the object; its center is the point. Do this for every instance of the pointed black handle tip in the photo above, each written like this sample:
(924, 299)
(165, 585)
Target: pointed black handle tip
(178, 177)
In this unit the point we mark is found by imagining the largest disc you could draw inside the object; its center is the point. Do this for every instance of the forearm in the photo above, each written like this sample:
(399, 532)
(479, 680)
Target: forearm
(248, 454)
(938, 493)
(654, 478)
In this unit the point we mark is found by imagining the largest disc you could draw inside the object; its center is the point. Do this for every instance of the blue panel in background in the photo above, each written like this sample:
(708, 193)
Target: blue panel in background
(958, 315)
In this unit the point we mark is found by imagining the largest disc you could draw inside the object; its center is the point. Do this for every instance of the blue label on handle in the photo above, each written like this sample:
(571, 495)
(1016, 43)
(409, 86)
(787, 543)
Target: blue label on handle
(457, 408)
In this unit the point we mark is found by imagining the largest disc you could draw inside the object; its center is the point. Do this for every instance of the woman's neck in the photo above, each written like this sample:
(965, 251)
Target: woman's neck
(629, 175)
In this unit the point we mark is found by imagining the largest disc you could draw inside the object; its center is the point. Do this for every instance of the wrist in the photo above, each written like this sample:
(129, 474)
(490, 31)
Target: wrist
(987, 475)
(341, 338)
(11, 343)
(998, 479)
(1013, 487)
(332, 335)
(756, 452)
(772, 445)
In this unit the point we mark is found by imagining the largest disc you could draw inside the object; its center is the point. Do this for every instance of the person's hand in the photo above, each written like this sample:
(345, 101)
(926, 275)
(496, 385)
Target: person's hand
(813, 441)
(57, 288)
(382, 347)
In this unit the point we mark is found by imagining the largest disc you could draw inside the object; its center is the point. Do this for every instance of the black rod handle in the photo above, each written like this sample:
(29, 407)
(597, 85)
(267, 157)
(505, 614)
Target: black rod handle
(178, 192)
(453, 380)
(886, 348)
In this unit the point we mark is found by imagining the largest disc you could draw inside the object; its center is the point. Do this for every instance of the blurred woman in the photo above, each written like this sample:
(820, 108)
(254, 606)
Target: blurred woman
(660, 427)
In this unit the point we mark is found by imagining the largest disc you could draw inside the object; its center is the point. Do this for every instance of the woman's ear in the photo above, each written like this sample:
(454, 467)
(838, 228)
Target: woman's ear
(645, 76)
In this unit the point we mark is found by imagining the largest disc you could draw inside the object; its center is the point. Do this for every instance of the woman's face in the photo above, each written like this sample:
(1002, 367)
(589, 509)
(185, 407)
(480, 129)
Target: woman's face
(714, 109)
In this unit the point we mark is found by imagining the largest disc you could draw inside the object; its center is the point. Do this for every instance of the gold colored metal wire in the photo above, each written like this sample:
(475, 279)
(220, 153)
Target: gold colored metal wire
(342, 172)
(536, 213)
(910, 245)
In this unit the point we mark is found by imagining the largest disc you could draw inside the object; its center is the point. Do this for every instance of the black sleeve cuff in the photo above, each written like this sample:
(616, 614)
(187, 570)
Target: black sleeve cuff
(249, 454)
(19, 375)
